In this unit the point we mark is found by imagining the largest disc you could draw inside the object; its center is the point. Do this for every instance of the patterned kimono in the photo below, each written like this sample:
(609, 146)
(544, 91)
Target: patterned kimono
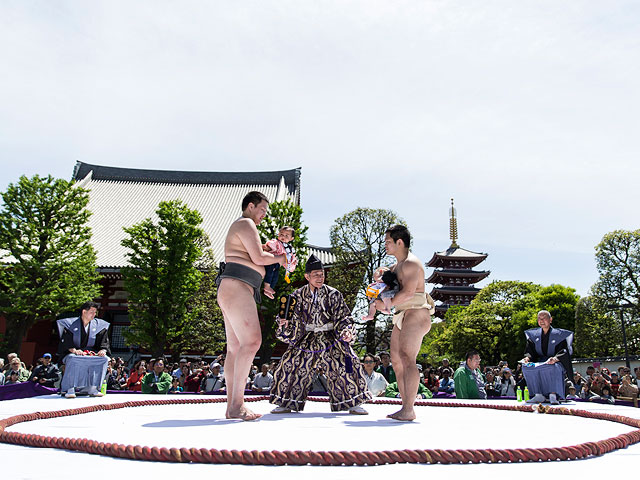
(313, 335)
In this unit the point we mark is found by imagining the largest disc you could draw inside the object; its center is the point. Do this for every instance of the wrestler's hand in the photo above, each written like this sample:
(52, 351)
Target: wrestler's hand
(282, 259)
(102, 353)
(552, 360)
(282, 322)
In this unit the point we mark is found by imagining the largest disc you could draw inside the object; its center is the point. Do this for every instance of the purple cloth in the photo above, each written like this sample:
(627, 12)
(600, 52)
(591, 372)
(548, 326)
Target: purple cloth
(24, 390)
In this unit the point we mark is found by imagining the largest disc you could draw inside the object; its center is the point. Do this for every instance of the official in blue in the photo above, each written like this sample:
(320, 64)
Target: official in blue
(549, 349)
(83, 349)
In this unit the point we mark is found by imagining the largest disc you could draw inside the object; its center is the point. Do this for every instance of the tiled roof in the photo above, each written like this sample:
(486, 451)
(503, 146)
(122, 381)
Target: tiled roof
(122, 197)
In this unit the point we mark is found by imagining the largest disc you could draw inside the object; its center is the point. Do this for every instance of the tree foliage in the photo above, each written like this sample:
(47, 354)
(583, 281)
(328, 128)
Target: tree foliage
(618, 263)
(357, 239)
(495, 321)
(48, 263)
(204, 332)
(162, 275)
(280, 214)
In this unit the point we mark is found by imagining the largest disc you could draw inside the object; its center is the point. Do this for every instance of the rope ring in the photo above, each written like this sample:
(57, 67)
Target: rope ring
(318, 458)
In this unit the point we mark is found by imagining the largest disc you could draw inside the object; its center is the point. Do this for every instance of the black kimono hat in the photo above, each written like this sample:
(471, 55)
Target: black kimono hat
(312, 264)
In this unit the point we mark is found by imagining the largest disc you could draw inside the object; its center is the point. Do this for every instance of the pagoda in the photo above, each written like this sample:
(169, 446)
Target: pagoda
(453, 273)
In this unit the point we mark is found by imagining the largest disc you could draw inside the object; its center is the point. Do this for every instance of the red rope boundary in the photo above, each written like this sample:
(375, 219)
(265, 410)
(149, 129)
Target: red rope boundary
(299, 457)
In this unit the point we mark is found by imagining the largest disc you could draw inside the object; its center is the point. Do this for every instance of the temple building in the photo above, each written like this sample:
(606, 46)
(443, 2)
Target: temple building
(122, 197)
(453, 274)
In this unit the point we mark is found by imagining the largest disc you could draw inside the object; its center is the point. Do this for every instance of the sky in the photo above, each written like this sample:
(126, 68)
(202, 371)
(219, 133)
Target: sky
(526, 113)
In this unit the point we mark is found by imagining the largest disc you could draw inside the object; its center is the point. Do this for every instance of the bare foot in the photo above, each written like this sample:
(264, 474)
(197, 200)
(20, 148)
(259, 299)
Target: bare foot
(269, 292)
(404, 415)
(393, 415)
(243, 414)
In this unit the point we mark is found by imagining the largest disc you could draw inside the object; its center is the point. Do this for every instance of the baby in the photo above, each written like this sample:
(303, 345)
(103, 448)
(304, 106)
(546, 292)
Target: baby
(385, 287)
(279, 246)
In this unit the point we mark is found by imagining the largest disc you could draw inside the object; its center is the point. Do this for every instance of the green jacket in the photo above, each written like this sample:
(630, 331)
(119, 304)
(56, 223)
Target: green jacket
(163, 383)
(466, 386)
(393, 392)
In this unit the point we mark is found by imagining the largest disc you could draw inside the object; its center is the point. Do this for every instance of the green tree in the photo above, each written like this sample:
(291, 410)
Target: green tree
(163, 275)
(280, 214)
(48, 264)
(204, 332)
(597, 333)
(357, 238)
(618, 263)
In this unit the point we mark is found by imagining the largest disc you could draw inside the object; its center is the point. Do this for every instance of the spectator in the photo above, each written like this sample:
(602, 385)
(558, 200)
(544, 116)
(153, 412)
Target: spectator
(419, 367)
(134, 382)
(117, 379)
(606, 394)
(490, 387)
(376, 383)
(1, 371)
(392, 391)
(263, 381)
(469, 382)
(47, 373)
(157, 381)
(385, 368)
(445, 364)
(614, 383)
(627, 389)
(598, 383)
(175, 385)
(587, 394)
(447, 385)
(16, 366)
(578, 382)
(507, 383)
(571, 395)
(253, 372)
(214, 381)
(431, 380)
(178, 371)
(193, 381)
(10, 357)
(590, 371)
(12, 377)
(185, 373)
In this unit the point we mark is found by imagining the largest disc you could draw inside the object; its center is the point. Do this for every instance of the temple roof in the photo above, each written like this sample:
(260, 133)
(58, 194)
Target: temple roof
(458, 273)
(438, 292)
(122, 197)
(442, 259)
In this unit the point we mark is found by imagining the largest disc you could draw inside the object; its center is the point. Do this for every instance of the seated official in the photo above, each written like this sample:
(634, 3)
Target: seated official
(157, 381)
(550, 349)
(46, 374)
(83, 349)
(469, 381)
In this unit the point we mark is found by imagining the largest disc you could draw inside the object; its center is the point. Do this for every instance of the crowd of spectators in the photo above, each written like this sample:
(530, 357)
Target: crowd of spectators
(200, 376)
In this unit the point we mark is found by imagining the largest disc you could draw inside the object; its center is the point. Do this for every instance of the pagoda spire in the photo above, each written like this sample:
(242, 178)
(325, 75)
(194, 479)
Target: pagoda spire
(453, 226)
